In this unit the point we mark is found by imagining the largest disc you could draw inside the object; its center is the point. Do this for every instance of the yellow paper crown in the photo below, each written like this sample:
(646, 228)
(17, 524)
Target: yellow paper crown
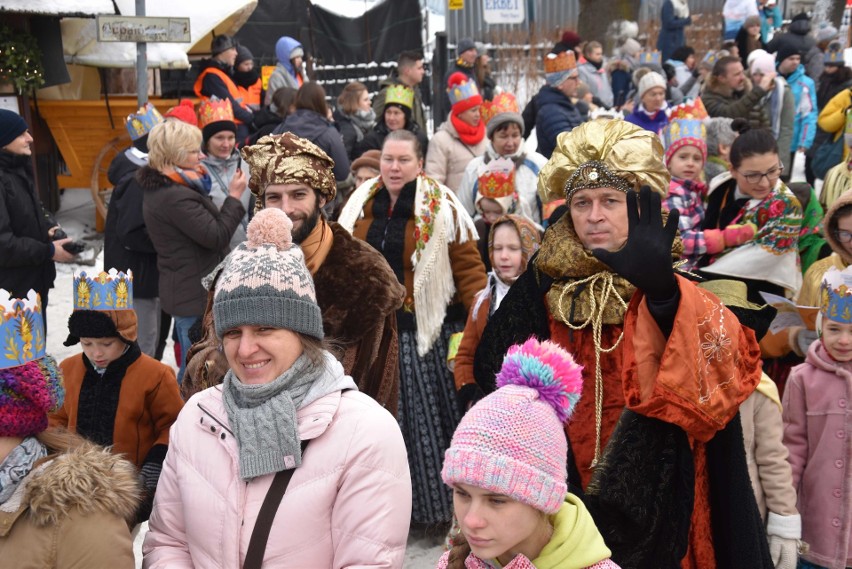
(214, 110)
(502, 103)
(400, 95)
(565, 61)
(691, 110)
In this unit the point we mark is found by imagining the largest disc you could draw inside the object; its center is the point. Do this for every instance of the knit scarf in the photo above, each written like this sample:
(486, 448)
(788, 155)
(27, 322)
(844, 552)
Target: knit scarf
(18, 464)
(317, 245)
(364, 122)
(198, 179)
(439, 220)
(263, 417)
(468, 134)
(681, 8)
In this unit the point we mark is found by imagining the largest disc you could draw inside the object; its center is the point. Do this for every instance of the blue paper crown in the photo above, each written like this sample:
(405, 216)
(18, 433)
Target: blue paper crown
(462, 92)
(142, 121)
(111, 290)
(21, 329)
(680, 129)
(835, 296)
(650, 58)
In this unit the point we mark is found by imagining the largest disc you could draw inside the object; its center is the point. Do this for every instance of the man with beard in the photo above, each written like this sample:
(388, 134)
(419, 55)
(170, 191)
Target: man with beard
(356, 288)
(729, 93)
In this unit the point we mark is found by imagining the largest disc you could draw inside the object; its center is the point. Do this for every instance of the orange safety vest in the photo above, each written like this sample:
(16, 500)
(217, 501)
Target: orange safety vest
(251, 95)
(233, 90)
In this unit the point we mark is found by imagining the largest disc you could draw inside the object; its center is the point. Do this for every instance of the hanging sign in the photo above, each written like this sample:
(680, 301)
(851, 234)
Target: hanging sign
(143, 29)
(503, 11)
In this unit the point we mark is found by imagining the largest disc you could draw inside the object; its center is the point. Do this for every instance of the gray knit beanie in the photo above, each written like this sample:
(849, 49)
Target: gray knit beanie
(264, 281)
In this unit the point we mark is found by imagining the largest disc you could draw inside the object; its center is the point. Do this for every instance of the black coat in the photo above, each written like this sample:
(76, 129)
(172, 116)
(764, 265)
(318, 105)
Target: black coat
(26, 252)
(319, 130)
(127, 244)
(374, 139)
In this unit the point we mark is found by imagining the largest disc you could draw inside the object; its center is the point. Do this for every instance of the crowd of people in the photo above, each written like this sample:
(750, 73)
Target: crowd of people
(585, 355)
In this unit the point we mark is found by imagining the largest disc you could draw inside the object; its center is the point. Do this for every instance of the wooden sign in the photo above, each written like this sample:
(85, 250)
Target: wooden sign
(143, 29)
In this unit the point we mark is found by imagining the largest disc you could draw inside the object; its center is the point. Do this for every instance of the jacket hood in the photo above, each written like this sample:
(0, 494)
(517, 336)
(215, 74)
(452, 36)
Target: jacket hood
(844, 199)
(307, 123)
(120, 167)
(576, 541)
(447, 126)
(283, 47)
(819, 358)
(89, 478)
(801, 27)
(796, 75)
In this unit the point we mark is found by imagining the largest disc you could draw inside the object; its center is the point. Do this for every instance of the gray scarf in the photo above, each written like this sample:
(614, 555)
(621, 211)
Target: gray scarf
(364, 122)
(263, 417)
(18, 464)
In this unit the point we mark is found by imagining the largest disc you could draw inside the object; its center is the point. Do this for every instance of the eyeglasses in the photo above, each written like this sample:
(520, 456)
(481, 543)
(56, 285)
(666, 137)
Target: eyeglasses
(843, 236)
(772, 175)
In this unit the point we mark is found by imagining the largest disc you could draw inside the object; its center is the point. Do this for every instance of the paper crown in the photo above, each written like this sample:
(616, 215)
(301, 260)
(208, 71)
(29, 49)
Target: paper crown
(556, 63)
(650, 58)
(462, 91)
(834, 58)
(496, 179)
(710, 58)
(214, 110)
(111, 290)
(21, 329)
(681, 132)
(835, 296)
(400, 95)
(689, 110)
(502, 103)
(142, 121)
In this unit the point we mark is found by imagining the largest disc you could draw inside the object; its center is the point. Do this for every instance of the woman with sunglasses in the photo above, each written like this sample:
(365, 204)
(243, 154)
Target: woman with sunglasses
(758, 216)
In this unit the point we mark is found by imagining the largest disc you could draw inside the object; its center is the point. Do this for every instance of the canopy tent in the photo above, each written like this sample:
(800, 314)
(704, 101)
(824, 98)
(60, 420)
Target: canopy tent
(79, 8)
(206, 19)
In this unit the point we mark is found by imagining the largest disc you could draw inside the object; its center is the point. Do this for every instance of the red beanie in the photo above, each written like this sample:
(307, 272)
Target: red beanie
(184, 112)
(463, 93)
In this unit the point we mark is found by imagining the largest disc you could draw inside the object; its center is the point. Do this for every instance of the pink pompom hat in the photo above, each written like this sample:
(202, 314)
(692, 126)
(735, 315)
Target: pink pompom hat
(513, 442)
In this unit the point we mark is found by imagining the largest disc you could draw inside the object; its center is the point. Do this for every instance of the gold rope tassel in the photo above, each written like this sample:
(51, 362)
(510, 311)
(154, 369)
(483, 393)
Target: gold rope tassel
(604, 282)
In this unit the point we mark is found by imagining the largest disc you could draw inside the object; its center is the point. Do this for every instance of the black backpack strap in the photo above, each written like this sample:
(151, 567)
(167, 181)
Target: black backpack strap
(263, 524)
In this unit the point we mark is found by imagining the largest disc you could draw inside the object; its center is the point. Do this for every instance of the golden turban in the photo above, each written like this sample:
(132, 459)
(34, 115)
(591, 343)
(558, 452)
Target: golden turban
(626, 150)
(288, 159)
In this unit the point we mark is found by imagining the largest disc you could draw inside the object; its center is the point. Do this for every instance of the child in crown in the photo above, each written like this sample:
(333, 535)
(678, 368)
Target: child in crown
(818, 429)
(117, 396)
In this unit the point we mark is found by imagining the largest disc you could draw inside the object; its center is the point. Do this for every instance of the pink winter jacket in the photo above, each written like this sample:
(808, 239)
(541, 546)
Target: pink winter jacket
(347, 505)
(818, 434)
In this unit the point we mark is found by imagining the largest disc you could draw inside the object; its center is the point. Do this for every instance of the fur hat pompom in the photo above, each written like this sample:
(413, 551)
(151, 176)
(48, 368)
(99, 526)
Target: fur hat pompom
(548, 369)
(270, 226)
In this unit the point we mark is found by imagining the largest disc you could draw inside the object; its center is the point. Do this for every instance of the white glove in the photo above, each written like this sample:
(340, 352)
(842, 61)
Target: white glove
(784, 552)
(784, 533)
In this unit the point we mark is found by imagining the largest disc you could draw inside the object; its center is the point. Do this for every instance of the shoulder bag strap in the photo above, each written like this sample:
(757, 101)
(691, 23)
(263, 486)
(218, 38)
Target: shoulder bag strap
(263, 525)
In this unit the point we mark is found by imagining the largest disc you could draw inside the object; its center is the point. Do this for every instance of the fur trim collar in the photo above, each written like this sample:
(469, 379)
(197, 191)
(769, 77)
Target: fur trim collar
(151, 179)
(352, 273)
(89, 478)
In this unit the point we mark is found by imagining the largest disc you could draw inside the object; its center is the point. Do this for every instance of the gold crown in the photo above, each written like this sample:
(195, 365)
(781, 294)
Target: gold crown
(502, 103)
(400, 95)
(565, 61)
(214, 110)
(497, 185)
(594, 174)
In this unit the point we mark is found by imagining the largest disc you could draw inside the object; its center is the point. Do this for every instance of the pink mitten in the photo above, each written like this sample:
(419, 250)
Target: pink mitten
(738, 234)
(714, 239)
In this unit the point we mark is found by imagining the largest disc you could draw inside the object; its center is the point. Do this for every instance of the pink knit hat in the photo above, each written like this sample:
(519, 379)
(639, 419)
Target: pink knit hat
(512, 442)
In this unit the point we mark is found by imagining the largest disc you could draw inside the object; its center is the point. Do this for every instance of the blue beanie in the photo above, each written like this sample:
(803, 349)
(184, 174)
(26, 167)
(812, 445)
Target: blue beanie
(11, 126)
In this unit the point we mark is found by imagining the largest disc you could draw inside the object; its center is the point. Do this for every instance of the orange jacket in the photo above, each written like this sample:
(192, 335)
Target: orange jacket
(233, 90)
(251, 95)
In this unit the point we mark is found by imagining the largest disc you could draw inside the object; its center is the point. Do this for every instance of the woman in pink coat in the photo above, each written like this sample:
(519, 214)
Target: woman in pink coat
(818, 430)
(284, 405)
